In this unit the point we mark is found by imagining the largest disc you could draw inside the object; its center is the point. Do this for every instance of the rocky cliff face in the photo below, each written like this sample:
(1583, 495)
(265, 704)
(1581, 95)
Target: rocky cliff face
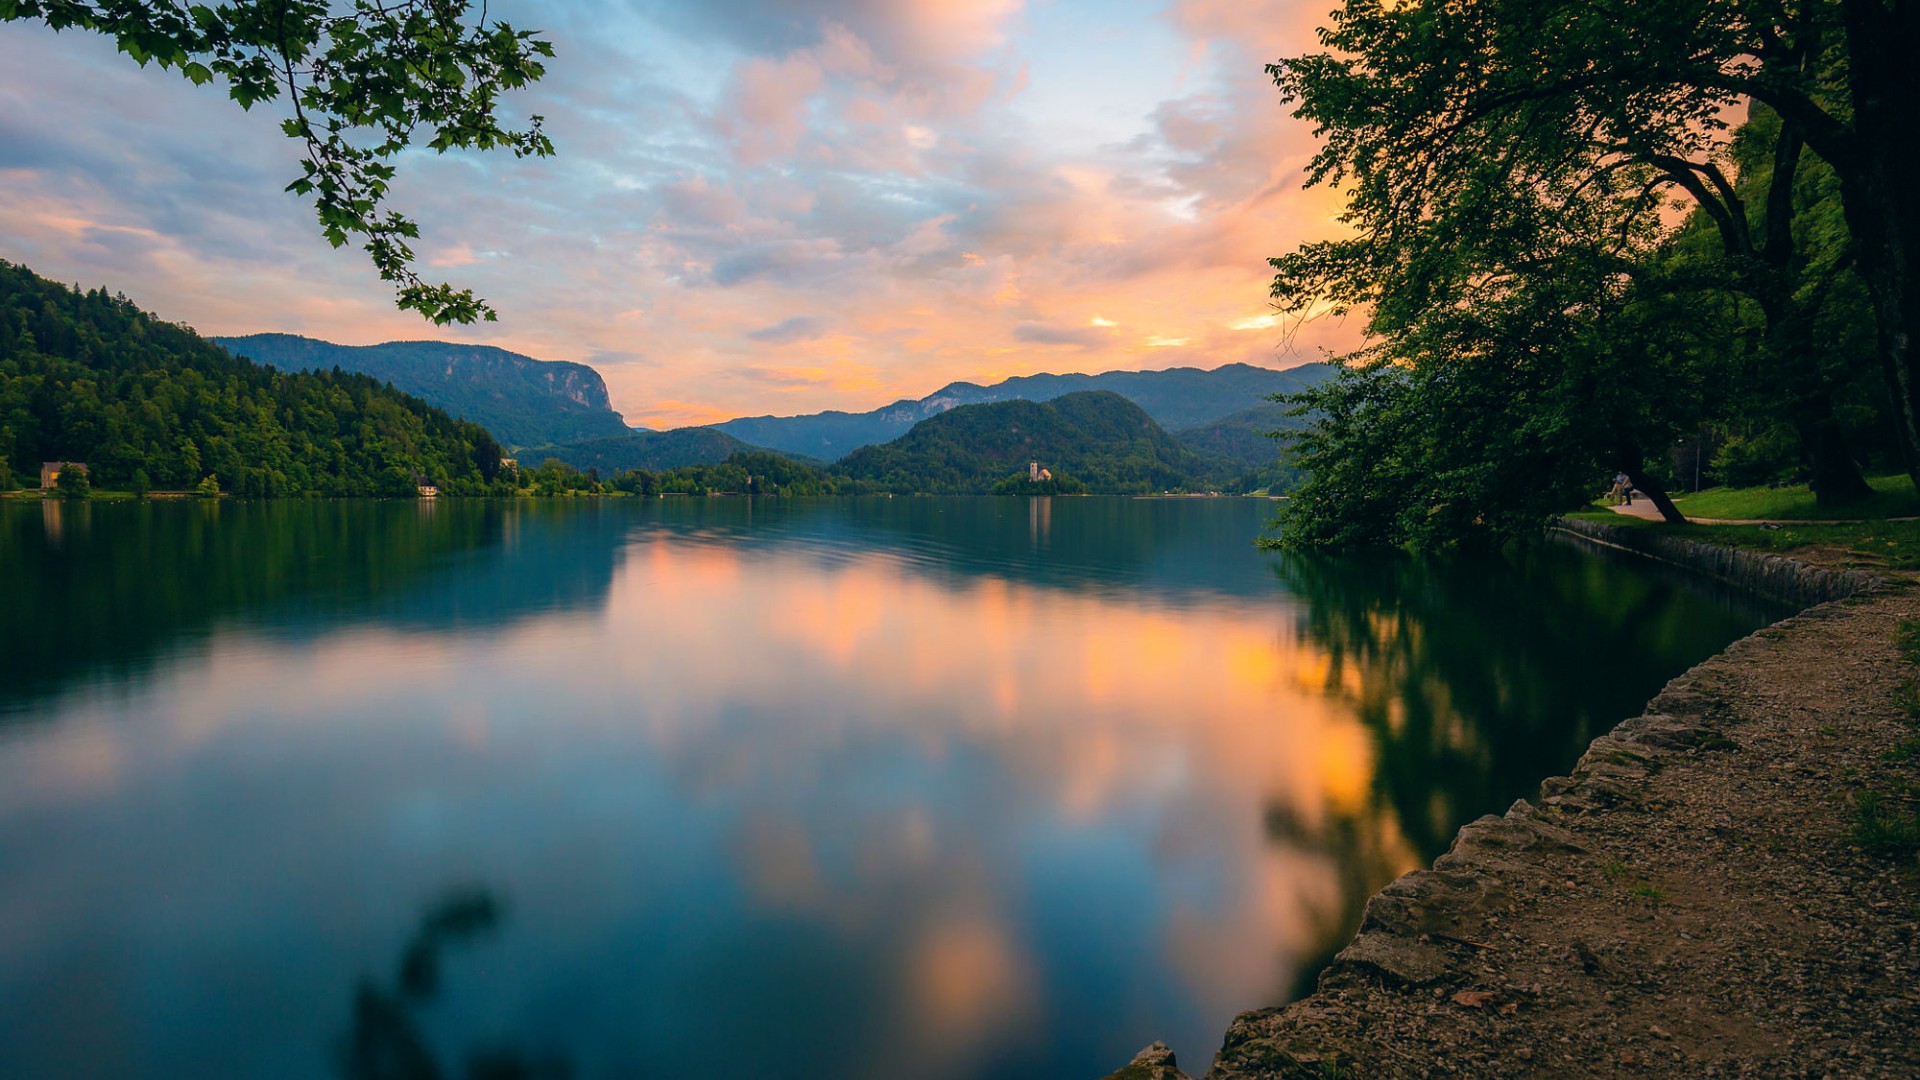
(523, 401)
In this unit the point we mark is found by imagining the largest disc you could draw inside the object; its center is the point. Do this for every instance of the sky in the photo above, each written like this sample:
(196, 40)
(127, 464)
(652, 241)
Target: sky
(756, 206)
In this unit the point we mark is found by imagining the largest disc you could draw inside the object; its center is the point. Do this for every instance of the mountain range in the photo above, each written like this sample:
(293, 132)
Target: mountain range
(547, 408)
(1177, 399)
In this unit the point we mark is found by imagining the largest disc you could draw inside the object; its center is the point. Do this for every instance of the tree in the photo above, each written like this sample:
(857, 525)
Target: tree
(1479, 421)
(73, 483)
(359, 83)
(1446, 120)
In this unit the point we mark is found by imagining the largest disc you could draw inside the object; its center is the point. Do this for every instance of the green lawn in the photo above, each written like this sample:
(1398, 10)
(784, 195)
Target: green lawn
(1876, 542)
(1893, 496)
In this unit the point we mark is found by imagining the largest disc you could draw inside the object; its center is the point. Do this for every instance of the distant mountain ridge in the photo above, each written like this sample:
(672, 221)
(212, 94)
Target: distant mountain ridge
(559, 409)
(522, 401)
(1176, 399)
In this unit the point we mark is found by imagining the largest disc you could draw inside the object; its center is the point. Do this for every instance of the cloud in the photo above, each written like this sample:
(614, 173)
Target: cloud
(1038, 334)
(896, 193)
(786, 331)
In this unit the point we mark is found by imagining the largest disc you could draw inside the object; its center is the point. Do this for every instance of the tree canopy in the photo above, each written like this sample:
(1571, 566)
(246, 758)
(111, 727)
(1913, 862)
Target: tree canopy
(360, 82)
(1530, 187)
(89, 377)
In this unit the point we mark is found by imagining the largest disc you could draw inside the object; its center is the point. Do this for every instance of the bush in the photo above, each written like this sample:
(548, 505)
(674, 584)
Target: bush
(1769, 457)
(73, 483)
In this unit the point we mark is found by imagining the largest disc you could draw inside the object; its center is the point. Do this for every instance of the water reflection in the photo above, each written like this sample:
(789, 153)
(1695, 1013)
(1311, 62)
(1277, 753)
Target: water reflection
(1474, 676)
(387, 1040)
(944, 788)
(86, 604)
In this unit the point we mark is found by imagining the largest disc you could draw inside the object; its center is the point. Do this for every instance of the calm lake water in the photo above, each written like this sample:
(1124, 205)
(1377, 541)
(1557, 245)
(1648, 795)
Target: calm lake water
(943, 788)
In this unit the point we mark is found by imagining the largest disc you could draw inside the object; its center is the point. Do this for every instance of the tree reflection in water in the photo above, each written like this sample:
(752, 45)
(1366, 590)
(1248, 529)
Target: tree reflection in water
(386, 1042)
(1474, 678)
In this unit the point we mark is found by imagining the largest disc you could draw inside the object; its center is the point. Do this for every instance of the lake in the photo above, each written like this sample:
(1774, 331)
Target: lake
(946, 788)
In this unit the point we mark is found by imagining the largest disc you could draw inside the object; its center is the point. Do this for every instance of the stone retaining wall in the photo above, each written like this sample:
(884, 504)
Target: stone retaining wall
(1775, 577)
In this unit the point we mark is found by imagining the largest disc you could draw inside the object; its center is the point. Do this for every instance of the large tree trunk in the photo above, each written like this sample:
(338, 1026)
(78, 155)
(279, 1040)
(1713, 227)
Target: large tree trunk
(1808, 394)
(1879, 179)
(1631, 461)
(1836, 479)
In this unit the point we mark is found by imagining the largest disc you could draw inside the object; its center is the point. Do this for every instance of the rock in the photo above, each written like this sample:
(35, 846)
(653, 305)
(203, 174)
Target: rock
(1154, 1063)
(1400, 961)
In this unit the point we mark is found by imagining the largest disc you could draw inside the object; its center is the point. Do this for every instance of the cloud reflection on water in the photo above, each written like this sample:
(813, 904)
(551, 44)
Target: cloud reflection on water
(792, 789)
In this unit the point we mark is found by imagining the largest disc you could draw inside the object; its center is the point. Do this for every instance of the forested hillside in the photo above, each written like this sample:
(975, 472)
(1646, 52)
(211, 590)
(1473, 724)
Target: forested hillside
(1096, 437)
(90, 377)
(522, 401)
(651, 451)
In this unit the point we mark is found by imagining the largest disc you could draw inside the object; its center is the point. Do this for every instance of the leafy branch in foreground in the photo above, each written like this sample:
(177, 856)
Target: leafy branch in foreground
(360, 84)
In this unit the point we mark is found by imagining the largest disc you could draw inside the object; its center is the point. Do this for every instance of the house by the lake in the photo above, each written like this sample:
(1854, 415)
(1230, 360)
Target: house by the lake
(50, 472)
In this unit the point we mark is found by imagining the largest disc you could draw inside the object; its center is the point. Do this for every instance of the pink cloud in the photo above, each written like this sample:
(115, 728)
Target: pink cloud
(867, 203)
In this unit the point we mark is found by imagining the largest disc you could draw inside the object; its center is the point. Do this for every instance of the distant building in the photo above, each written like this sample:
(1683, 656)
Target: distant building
(424, 486)
(1035, 473)
(50, 472)
(509, 463)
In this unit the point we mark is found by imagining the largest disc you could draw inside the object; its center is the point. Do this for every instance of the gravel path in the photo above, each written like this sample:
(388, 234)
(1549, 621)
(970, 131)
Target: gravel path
(1689, 903)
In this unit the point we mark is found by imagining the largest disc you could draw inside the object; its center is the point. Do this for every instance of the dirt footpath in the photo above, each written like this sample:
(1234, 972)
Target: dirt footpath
(1691, 902)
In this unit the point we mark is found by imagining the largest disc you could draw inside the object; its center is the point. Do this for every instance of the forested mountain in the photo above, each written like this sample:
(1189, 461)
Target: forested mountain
(90, 377)
(1244, 438)
(1176, 398)
(1095, 436)
(522, 401)
(651, 451)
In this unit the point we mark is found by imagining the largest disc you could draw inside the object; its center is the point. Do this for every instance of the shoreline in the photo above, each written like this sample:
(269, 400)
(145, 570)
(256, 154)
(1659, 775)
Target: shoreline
(1688, 901)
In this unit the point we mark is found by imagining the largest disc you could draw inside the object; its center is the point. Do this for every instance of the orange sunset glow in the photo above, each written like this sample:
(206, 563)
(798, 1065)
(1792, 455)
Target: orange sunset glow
(756, 207)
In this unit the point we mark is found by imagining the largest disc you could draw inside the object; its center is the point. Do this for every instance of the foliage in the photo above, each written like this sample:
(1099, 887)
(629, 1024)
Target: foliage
(359, 81)
(1766, 457)
(645, 450)
(89, 377)
(1474, 426)
(1510, 170)
(754, 472)
(1246, 440)
(1103, 439)
(73, 483)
